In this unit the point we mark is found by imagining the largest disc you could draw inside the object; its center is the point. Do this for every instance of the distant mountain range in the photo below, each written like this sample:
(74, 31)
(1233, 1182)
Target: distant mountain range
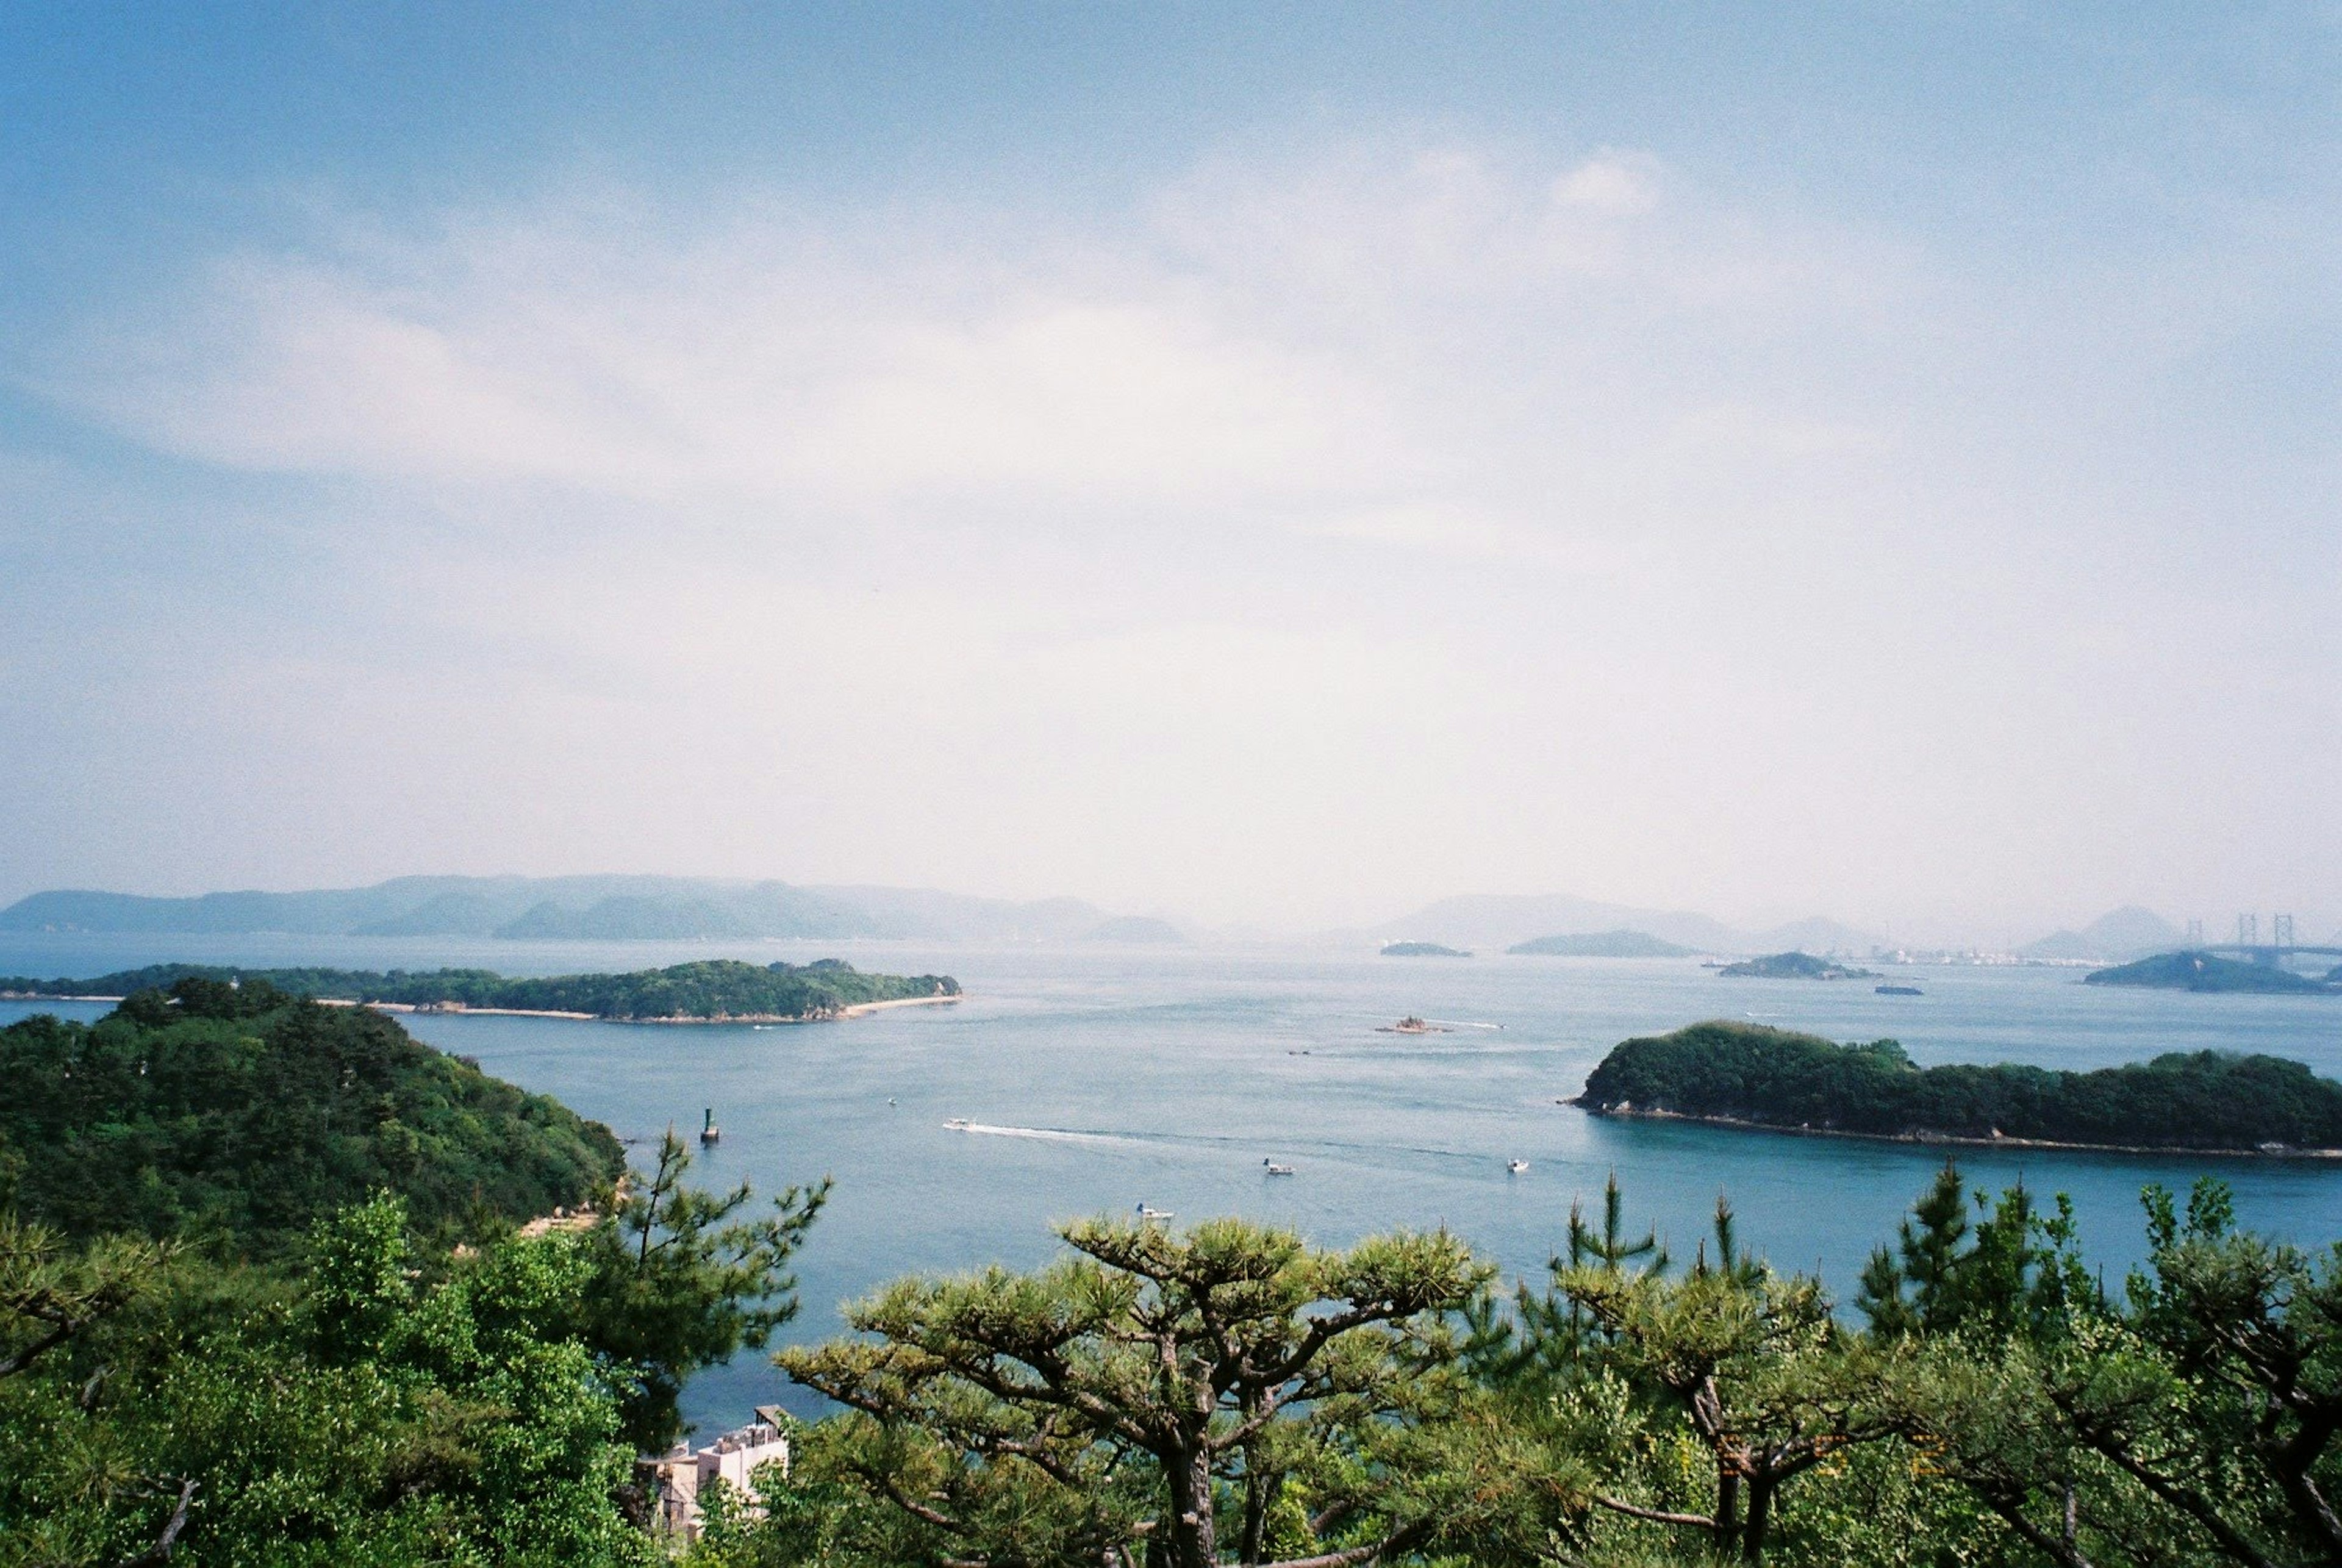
(1503, 920)
(1603, 944)
(683, 908)
(2129, 931)
(597, 908)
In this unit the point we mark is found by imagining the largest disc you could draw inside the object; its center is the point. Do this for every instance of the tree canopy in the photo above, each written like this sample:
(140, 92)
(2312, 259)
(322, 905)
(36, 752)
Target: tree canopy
(706, 989)
(1748, 1073)
(242, 1112)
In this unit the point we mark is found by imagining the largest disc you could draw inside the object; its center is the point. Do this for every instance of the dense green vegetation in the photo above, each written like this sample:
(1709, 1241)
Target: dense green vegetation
(710, 989)
(1602, 944)
(1796, 966)
(1776, 1078)
(2204, 972)
(402, 1378)
(1231, 1395)
(242, 1111)
(307, 1331)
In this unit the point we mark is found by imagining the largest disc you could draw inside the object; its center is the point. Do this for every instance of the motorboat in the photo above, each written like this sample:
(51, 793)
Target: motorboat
(956, 1123)
(1516, 1166)
(1146, 1213)
(1270, 1167)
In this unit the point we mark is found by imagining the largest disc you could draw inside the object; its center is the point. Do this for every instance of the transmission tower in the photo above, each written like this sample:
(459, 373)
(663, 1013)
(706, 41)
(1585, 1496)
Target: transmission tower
(2196, 932)
(2280, 930)
(2248, 931)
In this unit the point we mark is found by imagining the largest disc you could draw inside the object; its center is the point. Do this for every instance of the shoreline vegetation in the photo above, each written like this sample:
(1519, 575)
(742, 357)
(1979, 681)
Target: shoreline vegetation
(1753, 1077)
(715, 990)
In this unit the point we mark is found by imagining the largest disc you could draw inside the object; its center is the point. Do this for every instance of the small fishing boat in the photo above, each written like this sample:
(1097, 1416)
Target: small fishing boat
(1411, 1025)
(1147, 1214)
(1516, 1166)
(1270, 1167)
(956, 1123)
(708, 1131)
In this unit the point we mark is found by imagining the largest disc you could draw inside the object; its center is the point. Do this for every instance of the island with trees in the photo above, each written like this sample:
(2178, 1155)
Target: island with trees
(711, 991)
(1796, 966)
(2209, 972)
(1750, 1075)
(1422, 950)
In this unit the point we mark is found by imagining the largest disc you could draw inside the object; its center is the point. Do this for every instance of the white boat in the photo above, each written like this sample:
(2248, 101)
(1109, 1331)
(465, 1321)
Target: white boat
(956, 1123)
(1516, 1166)
(1147, 1214)
(1272, 1168)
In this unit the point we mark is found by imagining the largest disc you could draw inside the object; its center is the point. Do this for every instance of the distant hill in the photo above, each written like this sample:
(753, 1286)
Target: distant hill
(2125, 933)
(1420, 950)
(1501, 920)
(1137, 929)
(598, 908)
(1603, 944)
(1796, 966)
(2204, 972)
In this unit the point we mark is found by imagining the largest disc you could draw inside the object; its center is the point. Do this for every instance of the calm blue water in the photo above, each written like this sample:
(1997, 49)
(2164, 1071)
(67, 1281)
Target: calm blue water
(1102, 1079)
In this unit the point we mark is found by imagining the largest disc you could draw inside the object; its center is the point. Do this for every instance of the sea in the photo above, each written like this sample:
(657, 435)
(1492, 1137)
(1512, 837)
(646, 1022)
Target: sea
(1095, 1080)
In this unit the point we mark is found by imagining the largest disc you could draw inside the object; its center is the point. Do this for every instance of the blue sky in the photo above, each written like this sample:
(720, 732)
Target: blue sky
(1270, 465)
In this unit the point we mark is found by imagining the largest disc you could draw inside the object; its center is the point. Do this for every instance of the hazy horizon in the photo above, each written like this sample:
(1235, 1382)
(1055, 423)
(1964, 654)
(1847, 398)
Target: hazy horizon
(1266, 470)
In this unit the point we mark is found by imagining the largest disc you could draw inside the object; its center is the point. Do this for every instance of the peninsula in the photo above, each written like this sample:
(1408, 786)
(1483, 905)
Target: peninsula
(1749, 1075)
(713, 991)
(2206, 972)
(1796, 966)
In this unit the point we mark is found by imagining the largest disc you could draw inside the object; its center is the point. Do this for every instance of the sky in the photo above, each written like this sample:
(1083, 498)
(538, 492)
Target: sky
(1269, 466)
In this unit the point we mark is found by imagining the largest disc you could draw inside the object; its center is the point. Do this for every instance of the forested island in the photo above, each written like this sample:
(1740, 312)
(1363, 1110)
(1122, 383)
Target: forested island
(2209, 972)
(1796, 966)
(1747, 1074)
(1421, 950)
(711, 991)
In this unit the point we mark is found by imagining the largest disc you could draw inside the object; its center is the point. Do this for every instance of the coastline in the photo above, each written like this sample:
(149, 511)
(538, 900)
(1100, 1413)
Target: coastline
(443, 1010)
(1947, 1140)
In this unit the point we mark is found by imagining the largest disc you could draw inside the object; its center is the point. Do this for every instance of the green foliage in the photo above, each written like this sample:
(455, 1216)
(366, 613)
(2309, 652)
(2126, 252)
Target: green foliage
(2015, 1271)
(709, 989)
(241, 1115)
(1776, 1078)
(1184, 1390)
(681, 1281)
(415, 1407)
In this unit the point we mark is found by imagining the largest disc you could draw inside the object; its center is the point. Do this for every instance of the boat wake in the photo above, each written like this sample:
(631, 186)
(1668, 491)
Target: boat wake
(1046, 1134)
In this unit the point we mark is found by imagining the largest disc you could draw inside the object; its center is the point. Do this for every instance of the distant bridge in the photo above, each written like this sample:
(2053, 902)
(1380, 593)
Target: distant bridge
(2269, 953)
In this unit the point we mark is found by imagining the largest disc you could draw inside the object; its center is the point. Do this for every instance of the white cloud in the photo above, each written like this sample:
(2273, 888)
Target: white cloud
(1610, 183)
(1391, 519)
(1366, 330)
